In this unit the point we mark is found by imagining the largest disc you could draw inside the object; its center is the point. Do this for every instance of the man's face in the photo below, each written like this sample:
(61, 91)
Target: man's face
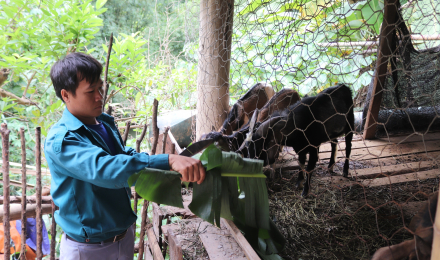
(86, 105)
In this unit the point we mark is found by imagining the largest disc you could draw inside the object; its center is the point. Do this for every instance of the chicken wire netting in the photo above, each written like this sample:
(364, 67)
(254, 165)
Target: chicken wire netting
(283, 57)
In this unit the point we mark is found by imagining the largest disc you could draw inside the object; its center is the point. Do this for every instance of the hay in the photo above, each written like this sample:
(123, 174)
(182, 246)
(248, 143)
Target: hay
(335, 223)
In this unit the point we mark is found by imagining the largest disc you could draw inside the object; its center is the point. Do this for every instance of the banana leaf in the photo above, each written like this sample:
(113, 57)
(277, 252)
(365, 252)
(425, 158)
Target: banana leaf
(206, 202)
(160, 186)
(234, 188)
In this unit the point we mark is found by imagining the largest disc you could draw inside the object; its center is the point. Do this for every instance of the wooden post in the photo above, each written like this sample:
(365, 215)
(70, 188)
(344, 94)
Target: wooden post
(138, 150)
(164, 141)
(216, 19)
(23, 195)
(383, 55)
(154, 127)
(38, 217)
(104, 99)
(143, 225)
(53, 233)
(5, 168)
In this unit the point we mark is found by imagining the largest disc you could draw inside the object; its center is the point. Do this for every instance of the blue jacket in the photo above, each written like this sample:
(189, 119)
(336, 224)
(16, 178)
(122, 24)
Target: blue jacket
(89, 185)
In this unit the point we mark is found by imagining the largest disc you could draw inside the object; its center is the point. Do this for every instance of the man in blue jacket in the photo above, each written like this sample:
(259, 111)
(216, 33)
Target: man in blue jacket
(90, 167)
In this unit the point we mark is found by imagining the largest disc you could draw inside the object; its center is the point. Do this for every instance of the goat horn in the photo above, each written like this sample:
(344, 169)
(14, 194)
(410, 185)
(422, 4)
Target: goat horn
(252, 124)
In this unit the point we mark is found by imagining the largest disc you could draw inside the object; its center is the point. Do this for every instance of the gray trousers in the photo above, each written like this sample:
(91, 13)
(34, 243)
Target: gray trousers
(121, 250)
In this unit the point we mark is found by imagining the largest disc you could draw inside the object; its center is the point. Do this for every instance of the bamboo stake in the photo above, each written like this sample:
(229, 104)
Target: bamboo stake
(154, 127)
(23, 195)
(53, 233)
(38, 217)
(106, 71)
(127, 129)
(142, 234)
(5, 168)
(164, 141)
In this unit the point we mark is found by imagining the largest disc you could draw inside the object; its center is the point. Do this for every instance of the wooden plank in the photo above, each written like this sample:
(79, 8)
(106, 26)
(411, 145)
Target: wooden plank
(15, 211)
(360, 143)
(154, 245)
(175, 247)
(170, 140)
(241, 240)
(389, 180)
(147, 253)
(157, 220)
(372, 153)
(391, 170)
(173, 140)
(414, 176)
(170, 211)
(174, 227)
(383, 54)
(219, 243)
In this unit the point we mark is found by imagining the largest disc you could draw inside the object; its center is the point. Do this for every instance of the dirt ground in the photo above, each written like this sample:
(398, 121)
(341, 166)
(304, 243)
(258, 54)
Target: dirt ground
(343, 223)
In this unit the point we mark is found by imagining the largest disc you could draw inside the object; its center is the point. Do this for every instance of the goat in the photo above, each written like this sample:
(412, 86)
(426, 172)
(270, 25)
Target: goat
(304, 126)
(418, 248)
(278, 102)
(240, 112)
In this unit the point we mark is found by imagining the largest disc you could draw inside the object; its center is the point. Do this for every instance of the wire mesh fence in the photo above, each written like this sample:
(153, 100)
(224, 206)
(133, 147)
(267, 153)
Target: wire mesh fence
(295, 62)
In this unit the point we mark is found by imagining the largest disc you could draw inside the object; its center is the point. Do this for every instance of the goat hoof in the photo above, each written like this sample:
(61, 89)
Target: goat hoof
(330, 169)
(304, 193)
(345, 174)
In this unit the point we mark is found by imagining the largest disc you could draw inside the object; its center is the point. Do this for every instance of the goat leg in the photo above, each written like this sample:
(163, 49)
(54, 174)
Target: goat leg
(334, 144)
(348, 138)
(313, 159)
(302, 163)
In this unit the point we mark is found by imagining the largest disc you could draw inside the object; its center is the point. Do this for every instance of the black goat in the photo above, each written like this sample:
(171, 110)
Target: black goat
(278, 102)
(305, 126)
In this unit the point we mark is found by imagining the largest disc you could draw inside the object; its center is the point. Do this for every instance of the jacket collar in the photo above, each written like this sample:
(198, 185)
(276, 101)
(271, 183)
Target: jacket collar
(72, 123)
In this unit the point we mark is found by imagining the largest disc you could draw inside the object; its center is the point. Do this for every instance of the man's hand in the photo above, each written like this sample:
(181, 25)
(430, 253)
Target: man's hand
(191, 169)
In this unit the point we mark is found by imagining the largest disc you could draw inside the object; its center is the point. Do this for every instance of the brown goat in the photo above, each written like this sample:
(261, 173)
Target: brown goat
(278, 102)
(241, 111)
(418, 248)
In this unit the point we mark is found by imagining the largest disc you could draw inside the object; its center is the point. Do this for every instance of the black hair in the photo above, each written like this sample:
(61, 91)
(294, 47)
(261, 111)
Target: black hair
(68, 72)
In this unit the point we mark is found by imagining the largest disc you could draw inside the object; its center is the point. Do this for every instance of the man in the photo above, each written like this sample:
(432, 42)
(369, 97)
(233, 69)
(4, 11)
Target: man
(90, 167)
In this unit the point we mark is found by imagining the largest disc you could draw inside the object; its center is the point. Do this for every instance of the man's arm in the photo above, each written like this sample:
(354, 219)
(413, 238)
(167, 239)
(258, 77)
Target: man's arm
(190, 169)
(87, 162)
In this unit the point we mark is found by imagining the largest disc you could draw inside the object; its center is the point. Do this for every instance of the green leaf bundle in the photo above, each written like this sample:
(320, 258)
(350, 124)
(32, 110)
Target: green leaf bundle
(234, 188)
